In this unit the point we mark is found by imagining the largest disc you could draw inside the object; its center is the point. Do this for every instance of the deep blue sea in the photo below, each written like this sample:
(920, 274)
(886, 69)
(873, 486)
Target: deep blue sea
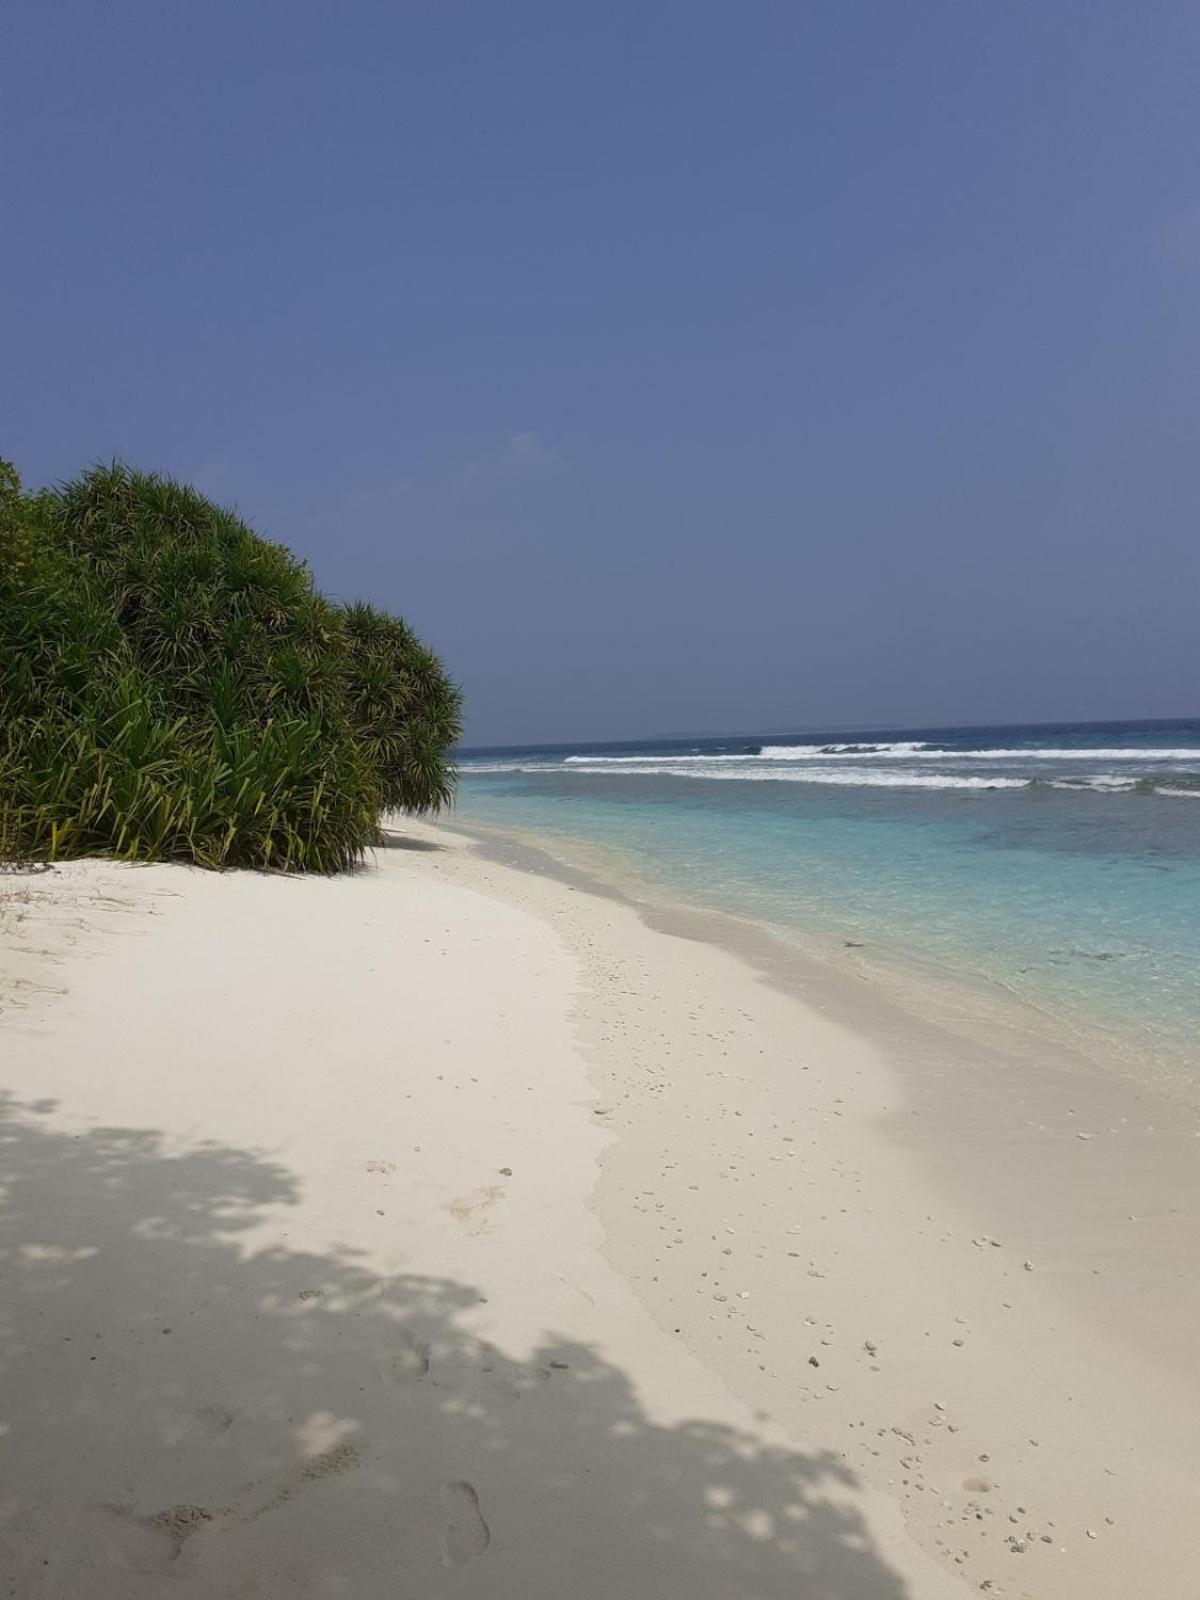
(1057, 866)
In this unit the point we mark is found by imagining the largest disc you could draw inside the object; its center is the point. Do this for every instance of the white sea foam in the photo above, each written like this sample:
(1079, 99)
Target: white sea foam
(827, 752)
(1098, 780)
(1053, 753)
(847, 777)
(892, 766)
(769, 752)
(719, 768)
(911, 751)
(659, 761)
(469, 766)
(1117, 783)
(925, 752)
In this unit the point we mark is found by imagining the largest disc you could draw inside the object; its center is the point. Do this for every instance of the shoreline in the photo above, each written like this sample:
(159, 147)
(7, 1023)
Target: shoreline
(631, 1192)
(1083, 1184)
(975, 999)
(956, 1098)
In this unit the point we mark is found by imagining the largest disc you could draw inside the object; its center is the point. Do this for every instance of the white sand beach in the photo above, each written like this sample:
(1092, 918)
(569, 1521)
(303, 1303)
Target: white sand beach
(446, 1229)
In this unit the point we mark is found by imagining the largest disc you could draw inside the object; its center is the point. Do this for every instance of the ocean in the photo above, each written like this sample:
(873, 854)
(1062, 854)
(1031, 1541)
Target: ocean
(1054, 869)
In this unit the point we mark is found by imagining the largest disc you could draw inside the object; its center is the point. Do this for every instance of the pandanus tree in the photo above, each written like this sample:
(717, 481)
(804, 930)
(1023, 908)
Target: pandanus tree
(174, 687)
(405, 709)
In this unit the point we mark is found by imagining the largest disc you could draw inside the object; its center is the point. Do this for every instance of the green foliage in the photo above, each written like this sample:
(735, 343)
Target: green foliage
(405, 709)
(173, 687)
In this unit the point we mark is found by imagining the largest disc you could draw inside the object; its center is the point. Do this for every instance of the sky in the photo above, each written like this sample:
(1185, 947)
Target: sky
(670, 366)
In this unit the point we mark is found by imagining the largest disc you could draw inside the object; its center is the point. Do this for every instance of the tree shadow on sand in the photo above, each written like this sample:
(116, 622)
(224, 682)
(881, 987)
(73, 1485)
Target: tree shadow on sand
(189, 1413)
(392, 839)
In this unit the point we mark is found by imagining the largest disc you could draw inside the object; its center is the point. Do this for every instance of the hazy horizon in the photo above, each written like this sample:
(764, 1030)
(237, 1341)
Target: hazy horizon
(677, 368)
(788, 731)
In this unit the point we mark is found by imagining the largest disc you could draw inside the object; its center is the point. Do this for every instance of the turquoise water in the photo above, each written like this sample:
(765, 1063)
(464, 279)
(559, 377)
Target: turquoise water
(1060, 868)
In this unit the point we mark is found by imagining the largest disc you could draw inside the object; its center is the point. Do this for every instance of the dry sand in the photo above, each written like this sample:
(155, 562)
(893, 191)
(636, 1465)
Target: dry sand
(448, 1230)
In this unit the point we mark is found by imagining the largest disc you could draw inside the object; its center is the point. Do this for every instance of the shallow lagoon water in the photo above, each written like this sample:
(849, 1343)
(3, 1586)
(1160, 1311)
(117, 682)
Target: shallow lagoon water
(1058, 867)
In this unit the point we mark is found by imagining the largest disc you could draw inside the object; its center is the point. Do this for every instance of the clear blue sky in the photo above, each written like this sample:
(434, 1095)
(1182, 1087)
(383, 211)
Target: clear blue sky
(670, 366)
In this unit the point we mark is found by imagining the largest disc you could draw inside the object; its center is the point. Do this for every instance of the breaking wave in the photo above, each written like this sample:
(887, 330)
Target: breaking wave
(848, 777)
(849, 771)
(900, 751)
(933, 752)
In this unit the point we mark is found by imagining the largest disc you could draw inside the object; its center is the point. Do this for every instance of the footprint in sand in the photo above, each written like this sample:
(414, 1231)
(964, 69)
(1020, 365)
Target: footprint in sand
(408, 1358)
(151, 1544)
(465, 1535)
(213, 1421)
(471, 1209)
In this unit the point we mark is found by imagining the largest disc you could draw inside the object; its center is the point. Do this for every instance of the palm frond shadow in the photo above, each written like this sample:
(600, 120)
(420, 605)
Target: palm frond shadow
(300, 1426)
(391, 840)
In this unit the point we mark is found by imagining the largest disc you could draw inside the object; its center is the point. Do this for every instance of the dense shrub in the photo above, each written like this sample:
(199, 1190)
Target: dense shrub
(404, 707)
(173, 687)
